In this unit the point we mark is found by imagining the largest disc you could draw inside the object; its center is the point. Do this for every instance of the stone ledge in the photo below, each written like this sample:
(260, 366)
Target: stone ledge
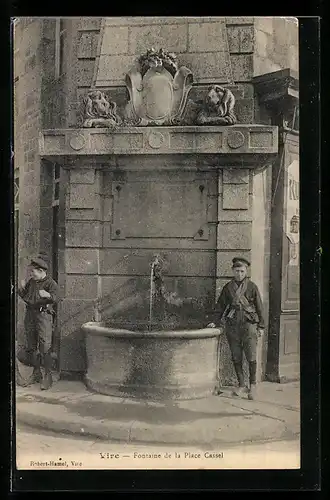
(231, 141)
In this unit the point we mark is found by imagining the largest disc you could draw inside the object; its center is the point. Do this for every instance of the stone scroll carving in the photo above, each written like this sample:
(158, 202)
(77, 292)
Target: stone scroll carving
(158, 91)
(98, 111)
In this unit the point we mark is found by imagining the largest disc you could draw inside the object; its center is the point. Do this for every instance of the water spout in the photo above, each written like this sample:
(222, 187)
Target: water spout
(97, 310)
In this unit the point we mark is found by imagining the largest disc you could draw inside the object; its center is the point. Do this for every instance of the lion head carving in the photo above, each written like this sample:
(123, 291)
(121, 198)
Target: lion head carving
(218, 107)
(99, 111)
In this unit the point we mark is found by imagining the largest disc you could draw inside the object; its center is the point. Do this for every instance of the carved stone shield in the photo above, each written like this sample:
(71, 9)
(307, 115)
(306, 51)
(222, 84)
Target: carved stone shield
(157, 94)
(157, 98)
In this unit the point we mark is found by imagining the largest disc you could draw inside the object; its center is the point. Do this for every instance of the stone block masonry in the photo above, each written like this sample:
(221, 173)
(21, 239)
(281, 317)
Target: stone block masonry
(36, 92)
(26, 130)
(27, 88)
(276, 44)
(80, 270)
(217, 50)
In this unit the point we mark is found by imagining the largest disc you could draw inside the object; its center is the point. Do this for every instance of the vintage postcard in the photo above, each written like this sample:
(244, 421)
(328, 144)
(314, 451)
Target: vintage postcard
(157, 242)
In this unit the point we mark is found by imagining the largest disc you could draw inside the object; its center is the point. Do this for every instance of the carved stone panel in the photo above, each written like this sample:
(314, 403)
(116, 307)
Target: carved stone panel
(166, 209)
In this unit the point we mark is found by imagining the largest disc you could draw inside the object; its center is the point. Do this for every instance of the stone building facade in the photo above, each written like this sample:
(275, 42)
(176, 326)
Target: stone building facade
(78, 188)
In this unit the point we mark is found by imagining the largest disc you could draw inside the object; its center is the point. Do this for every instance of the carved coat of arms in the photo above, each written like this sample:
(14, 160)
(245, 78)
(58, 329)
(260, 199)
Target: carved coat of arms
(158, 95)
(158, 89)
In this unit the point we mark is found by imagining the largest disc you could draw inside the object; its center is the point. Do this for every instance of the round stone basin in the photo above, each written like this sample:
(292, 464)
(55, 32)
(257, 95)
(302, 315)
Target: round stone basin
(153, 365)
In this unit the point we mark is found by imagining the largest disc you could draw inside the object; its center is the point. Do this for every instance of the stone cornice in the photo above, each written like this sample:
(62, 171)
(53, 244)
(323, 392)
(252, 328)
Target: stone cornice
(275, 86)
(239, 144)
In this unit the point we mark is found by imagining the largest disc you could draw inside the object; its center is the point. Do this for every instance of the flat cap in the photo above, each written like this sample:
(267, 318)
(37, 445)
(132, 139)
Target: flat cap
(39, 262)
(240, 261)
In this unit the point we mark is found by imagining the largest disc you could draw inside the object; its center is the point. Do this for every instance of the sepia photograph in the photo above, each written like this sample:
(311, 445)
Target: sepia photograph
(157, 253)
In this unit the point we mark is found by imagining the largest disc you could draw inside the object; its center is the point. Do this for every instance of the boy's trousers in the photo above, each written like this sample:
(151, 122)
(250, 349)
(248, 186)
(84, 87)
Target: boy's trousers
(242, 337)
(38, 327)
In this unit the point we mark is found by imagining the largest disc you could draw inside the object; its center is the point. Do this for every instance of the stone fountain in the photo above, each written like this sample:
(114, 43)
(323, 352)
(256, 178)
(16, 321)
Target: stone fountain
(155, 348)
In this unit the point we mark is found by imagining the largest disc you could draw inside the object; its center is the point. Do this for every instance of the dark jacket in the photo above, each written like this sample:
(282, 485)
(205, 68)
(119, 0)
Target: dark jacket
(30, 293)
(226, 297)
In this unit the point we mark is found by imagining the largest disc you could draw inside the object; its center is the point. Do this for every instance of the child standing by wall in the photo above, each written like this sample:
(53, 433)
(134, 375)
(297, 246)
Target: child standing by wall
(239, 311)
(39, 293)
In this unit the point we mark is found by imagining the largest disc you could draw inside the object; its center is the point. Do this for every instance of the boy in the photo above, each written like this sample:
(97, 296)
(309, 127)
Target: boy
(239, 309)
(39, 293)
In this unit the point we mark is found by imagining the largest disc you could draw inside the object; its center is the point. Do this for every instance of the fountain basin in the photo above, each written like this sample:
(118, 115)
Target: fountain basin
(154, 365)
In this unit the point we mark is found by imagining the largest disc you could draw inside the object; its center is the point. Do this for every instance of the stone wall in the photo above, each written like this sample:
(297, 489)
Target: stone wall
(200, 43)
(223, 50)
(31, 44)
(27, 89)
(276, 44)
(81, 48)
(217, 50)
(79, 264)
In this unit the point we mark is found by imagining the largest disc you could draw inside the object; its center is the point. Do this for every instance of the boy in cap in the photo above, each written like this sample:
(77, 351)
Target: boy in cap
(240, 311)
(39, 293)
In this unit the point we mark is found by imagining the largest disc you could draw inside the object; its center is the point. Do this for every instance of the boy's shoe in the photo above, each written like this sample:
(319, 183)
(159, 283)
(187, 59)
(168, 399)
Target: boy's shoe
(239, 391)
(20, 381)
(26, 382)
(46, 380)
(252, 392)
